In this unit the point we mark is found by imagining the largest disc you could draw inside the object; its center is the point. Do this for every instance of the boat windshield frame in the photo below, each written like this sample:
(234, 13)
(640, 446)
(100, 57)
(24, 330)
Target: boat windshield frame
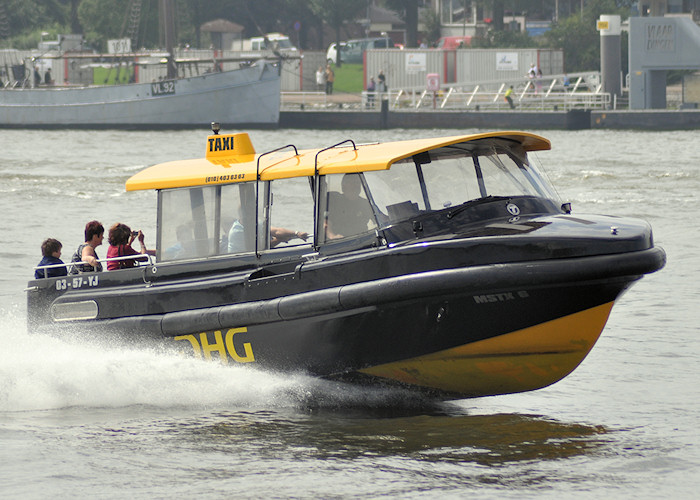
(433, 181)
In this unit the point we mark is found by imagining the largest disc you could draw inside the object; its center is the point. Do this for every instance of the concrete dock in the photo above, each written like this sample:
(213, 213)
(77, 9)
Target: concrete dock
(561, 120)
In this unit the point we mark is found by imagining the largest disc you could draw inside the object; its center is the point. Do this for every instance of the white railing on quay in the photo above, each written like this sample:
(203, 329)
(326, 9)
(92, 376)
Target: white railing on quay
(482, 100)
(558, 92)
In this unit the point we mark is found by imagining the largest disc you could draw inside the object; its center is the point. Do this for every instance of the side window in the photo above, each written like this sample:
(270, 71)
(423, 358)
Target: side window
(291, 212)
(345, 207)
(237, 218)
(188, 223)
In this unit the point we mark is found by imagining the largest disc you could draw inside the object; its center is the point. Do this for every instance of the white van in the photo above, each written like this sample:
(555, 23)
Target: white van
(271, 41)
(332, 53)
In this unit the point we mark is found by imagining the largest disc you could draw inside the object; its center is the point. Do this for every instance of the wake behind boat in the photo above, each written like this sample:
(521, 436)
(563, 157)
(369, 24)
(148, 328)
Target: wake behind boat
(246, 96)
(443, 264)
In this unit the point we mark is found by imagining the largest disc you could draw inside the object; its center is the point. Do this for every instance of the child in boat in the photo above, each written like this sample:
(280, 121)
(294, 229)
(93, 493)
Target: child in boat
(51, 251)
(120, 239)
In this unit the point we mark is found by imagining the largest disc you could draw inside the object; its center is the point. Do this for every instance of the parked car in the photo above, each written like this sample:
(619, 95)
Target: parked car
(453, 42)
(352, 51)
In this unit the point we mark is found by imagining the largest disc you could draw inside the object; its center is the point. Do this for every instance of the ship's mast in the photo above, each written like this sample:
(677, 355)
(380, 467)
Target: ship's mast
(167, 24)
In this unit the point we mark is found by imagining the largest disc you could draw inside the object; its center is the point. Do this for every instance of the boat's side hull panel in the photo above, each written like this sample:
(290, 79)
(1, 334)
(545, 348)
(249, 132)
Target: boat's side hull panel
(523, 360)
(461, 344)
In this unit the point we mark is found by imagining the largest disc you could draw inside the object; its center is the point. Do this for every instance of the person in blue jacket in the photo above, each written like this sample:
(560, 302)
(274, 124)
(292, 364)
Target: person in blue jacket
(51, 250)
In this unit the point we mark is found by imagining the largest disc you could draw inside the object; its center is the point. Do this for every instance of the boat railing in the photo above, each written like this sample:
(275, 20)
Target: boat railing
(141, 259)
(67, 265)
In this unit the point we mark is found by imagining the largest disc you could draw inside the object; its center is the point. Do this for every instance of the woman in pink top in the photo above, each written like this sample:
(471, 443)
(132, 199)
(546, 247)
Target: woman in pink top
(120, 239)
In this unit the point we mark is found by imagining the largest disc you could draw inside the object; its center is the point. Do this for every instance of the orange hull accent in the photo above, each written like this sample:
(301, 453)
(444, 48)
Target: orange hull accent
(519, 361)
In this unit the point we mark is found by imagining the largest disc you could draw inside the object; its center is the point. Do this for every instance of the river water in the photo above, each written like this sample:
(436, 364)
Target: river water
(87, 421)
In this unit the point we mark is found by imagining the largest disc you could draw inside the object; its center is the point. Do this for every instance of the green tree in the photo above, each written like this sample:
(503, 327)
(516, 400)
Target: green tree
(335, 13)
(431, 23)
(309, 22)
(23, 21)
(99, 22)
(577, 35)
(408, 9)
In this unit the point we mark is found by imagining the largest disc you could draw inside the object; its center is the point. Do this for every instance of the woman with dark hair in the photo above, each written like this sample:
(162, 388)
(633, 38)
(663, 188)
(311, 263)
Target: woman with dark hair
(120, 239)
(85, 254)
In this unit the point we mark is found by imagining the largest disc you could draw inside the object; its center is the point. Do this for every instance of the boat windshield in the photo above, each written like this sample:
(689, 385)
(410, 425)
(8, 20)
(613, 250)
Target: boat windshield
(449, 176)
(356, 203)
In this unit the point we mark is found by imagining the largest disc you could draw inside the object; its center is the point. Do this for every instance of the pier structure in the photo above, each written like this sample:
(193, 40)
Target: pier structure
(657, 45)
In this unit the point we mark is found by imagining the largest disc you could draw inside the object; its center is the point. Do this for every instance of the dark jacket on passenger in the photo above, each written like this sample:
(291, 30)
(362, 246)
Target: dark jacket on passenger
(51, 272)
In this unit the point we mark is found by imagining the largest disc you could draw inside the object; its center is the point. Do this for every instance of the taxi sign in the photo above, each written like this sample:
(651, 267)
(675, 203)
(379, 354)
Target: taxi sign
(228, 145)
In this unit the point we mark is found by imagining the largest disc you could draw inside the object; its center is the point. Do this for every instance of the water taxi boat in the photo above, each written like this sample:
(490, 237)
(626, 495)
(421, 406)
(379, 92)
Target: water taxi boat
(444, 264)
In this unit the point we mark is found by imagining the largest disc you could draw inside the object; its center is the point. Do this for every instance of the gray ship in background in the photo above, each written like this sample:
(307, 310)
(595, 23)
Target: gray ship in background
(63, 85)
(249, 95)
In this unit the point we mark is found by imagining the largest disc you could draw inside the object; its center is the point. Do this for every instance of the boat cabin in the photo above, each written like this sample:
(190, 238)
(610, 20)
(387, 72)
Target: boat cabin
(235, 201)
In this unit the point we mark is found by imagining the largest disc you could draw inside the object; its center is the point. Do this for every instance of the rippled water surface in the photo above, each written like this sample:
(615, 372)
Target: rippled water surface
(95, 421)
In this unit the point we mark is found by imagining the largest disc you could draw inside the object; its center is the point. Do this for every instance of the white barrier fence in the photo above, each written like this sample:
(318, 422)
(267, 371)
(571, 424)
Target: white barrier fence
(558, 93)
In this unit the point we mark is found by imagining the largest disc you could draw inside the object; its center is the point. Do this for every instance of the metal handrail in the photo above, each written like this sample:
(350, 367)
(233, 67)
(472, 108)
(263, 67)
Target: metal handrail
(467, 94)
(70, 265)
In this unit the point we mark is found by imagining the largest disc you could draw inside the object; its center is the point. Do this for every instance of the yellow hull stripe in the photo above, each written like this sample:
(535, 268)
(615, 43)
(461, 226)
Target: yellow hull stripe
(523, 360)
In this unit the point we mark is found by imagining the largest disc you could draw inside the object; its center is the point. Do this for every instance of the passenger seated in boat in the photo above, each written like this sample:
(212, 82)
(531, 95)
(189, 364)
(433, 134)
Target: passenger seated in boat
(120, 239)
(51, 250)
(237, 237)
(348, 212)
(85, 258)
(281, 235)
(184, 247)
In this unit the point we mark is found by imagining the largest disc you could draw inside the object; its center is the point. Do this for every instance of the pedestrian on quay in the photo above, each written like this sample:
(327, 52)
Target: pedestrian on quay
(371, 89)
(381, 82)
(320, 79)
(330, 78)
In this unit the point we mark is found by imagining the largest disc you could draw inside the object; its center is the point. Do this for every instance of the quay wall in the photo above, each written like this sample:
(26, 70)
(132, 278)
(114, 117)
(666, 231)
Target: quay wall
(557, 120)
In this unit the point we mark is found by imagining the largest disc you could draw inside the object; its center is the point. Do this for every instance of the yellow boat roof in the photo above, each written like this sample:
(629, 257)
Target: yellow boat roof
(232, 158)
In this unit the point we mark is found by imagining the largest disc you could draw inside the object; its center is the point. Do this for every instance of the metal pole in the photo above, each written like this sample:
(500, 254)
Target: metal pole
(610, 54)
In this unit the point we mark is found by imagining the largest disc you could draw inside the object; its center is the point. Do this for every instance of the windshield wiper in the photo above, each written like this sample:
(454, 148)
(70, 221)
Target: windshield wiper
(471, 203)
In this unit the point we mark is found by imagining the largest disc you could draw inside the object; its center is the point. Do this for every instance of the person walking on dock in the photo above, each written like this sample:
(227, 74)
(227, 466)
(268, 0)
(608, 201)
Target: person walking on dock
(509, 98)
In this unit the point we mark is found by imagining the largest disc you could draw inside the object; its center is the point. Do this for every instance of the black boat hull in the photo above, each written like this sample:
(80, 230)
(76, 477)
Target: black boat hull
(472, 331)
